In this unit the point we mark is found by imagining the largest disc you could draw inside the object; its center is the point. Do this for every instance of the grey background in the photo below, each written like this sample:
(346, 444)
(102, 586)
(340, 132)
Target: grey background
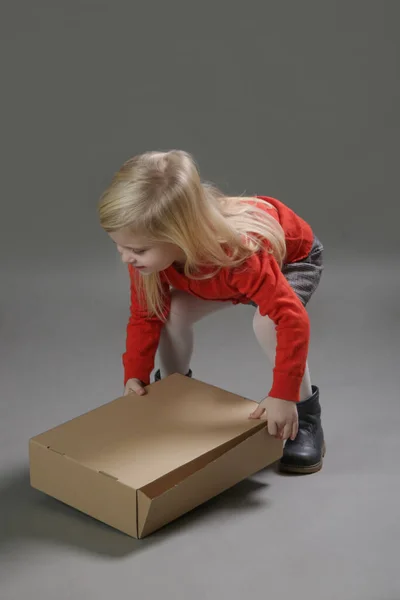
(298, 100)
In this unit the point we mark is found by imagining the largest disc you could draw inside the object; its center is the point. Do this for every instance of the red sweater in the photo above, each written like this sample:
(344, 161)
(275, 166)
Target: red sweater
(260, 280)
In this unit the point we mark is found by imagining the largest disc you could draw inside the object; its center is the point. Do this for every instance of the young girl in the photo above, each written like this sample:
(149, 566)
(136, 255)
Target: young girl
(191, 251)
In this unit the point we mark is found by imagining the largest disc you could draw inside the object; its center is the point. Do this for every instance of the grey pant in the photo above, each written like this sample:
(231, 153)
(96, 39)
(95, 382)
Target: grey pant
(304, 276)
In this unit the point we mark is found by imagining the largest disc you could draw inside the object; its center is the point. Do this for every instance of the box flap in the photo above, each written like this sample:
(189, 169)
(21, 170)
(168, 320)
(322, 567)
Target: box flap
(138, 440)
(159, 503)
(160, 486)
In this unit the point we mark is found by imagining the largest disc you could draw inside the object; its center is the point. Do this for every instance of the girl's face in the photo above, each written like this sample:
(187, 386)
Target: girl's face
(147, 257)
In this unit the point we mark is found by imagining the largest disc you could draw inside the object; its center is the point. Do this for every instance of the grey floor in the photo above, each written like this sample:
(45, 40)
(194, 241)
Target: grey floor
(335, 534)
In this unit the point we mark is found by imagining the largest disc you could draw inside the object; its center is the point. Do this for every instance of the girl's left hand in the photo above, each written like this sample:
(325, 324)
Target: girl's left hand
(282, 417)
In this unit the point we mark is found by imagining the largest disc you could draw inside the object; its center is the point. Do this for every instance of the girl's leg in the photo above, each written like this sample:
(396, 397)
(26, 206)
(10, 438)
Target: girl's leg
(264, 329)
(176, 340)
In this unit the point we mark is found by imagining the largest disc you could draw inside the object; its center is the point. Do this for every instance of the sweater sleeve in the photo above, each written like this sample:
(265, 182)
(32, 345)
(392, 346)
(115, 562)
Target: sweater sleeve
(142, 334)
(264, 283)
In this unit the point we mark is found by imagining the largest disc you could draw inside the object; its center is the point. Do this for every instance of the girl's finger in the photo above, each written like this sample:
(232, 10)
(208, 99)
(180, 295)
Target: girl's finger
(287, 430)
(257, 413)
(135, 389)
(272, 428)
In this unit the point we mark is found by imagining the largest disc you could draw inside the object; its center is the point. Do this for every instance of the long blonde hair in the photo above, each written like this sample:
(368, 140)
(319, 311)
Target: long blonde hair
(160, 195)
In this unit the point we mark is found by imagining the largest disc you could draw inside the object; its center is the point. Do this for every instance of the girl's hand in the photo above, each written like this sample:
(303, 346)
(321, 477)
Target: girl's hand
(134, 386)
(282, 417)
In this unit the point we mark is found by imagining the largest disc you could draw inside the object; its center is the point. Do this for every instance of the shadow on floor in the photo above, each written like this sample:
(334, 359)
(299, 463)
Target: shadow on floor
(30, 515)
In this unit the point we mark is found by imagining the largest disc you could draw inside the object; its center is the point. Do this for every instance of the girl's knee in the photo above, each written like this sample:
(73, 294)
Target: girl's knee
(263, 326)
(187, 309)
(179, 314)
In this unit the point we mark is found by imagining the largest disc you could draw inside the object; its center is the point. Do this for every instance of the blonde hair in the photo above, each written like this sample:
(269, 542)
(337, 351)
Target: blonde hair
(160, 196)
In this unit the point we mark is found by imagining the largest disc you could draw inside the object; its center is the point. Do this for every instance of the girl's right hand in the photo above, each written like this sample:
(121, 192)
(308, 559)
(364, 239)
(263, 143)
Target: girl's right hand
(134, 386)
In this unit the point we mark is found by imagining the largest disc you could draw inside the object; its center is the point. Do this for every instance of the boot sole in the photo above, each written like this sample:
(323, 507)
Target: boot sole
(298, 470)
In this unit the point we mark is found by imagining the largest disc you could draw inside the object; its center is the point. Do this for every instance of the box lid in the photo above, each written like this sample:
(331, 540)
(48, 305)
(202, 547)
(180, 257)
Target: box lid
(139, 440)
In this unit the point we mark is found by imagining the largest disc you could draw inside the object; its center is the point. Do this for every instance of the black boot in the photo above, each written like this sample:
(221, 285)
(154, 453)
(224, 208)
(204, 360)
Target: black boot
(157, 375)
(305, 454)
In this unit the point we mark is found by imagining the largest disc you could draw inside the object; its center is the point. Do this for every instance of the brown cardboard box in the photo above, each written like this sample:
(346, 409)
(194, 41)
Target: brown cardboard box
(137, 463)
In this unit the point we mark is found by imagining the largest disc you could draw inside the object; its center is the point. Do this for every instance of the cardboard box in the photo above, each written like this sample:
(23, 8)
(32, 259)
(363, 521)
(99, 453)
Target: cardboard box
(138, 463)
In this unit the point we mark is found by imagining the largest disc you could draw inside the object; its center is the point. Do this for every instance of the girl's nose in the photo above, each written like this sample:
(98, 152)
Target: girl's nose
(125, 257)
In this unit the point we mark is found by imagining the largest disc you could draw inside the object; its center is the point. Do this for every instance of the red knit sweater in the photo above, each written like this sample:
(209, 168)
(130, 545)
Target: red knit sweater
(260, 280)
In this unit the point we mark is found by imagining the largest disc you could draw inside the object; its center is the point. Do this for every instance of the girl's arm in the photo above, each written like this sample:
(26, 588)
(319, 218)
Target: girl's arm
(263, 282)
(142, 335)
